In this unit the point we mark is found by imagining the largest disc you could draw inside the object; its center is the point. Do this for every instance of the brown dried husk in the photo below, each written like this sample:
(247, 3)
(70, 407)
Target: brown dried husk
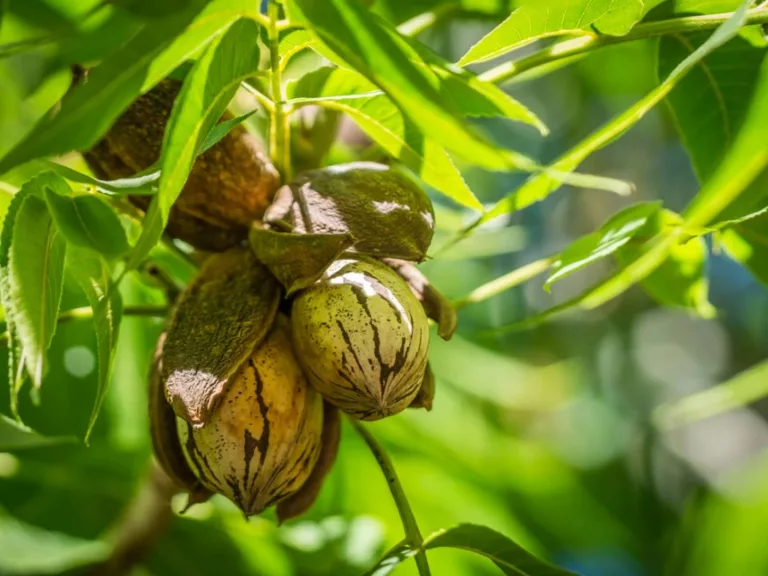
(230, 185)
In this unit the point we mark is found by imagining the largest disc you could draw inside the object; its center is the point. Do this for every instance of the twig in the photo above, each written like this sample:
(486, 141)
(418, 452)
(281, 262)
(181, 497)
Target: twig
(412, 533)
(86, 312)
(590, 42)
(499, 285)
(279, 128)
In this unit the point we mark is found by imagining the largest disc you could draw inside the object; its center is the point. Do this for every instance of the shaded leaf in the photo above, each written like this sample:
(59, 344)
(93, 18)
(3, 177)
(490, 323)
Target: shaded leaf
(297, 260)
(534, 20)
(302, 500)
(27, 549)
(36, 278)
(204, 97)
(371, 46)
(15, 436)
(710, 103)
(680, 280)
(612, 235)
(93, 274)
(511, 558)
(220, 317)
(378, 117)
(381, 209)
(87, 111)
(89, 222)
(152, 8)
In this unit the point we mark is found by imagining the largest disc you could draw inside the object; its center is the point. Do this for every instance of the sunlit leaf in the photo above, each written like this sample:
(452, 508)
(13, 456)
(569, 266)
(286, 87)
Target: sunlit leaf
(204, 97)
(747, 243)
(743, 389)
(534, 20)
(744, 162)
(93, 274)
(36, 277)
(293, 43)
(511, 558)
(394, 557)
(373, 48)
(611, 236)
(87, 111)
(378, 117)
(135, 185)
(87, 221)
(15, 436)
(680, 280)
(539, 186)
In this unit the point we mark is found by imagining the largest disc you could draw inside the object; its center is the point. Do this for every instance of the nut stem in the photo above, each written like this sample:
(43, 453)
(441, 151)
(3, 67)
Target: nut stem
(412, 533)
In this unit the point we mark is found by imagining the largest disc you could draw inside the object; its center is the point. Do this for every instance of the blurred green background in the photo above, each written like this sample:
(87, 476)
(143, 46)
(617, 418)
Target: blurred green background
(545, 435)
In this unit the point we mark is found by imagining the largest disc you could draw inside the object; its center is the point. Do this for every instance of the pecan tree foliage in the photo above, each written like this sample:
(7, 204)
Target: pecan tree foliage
(305, 299)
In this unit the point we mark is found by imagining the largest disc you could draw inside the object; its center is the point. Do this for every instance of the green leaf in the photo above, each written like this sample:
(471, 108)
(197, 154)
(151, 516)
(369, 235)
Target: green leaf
(378, 117)
(511, 558)
(135, 186)
(372, 47)
(745, 161)
(743, 389)
(680, 280)
(534, 20)
(297, 260)
(15, 436)
(152, 8)
(36, 278)
(747, 243)
(612, 235)
(204, 97)
(89, 222)
(87, 111)
(539, 186)
(220, 130)
(710, 103)
(391, 560)
(93, 274)
(293, 43)
(28, 550)
(15, 358)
